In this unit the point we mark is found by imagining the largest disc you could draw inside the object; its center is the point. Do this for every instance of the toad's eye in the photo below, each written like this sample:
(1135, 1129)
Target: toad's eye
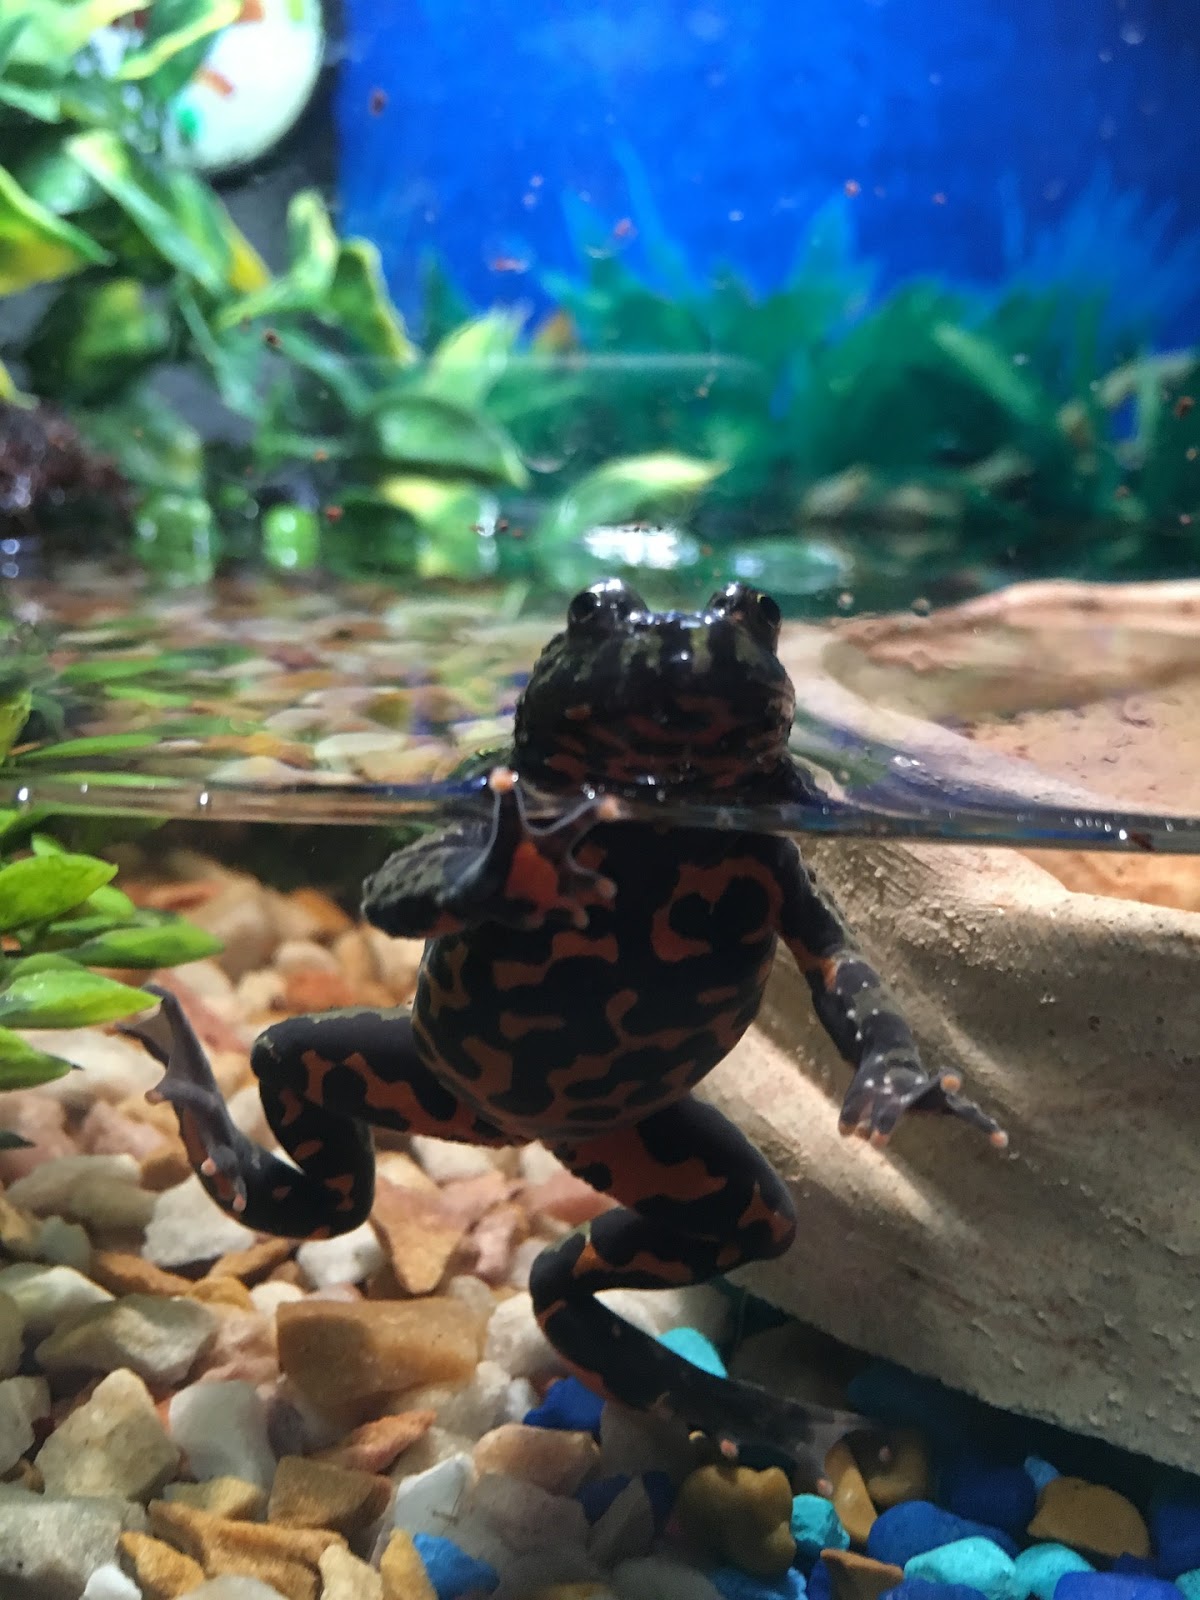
(603, 607)
(753, 609)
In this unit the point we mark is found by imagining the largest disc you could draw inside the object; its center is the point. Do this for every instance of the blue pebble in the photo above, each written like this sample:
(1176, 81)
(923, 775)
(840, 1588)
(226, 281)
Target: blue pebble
(1175, 1530)
(973, 1564)
(985, 1491)
(1189, 1582)
(737, 1585)
(820, 1582)
(691, 1344)
(661, 1492)
(1038, 1569)
(570, 1405)
(816, 1527)
(452, 1572)
(909, 1529)
(1137, 1566)
(923, 1589)
(1040, 1471)
(1113, 1586)
(595, 1498)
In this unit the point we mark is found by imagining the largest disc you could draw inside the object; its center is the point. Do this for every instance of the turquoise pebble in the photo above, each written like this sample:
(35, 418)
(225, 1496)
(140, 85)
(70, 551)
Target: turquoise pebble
(1039, 1568)
(976, 1562)
(1040, 1471)
(691, 1344)
(815, 1523)
(1189, 1582)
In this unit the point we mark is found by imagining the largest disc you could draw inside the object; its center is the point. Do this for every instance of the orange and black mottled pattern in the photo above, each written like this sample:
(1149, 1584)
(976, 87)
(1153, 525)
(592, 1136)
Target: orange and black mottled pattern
(580, 978)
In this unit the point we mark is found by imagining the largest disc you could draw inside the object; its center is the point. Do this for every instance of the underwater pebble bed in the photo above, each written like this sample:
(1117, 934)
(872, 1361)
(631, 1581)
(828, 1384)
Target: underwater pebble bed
(190, 1408)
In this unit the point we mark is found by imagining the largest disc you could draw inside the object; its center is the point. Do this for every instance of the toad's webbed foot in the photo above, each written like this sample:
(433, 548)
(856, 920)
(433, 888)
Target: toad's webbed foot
(882, 1092)
(509, 870)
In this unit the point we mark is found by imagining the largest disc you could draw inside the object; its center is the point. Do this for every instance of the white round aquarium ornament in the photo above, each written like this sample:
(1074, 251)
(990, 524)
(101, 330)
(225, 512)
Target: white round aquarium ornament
(252, 86)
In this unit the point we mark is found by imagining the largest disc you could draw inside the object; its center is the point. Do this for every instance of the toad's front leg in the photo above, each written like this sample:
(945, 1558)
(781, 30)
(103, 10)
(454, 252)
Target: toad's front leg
(862, 1020)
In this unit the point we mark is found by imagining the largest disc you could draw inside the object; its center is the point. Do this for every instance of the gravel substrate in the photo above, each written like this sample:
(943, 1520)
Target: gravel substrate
(187, 1407)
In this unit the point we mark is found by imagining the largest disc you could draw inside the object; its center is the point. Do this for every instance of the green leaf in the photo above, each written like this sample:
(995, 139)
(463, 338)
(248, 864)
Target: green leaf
(35, 245)
(177, 536)
(10, 394)
(57, 30)
(469, 361)
(38, 888)
(358, 303)
(100, 744)
(95, 338)
(108, 901)
(67, 999)
(291, 537)
(150, 442)
(10, 32)
(313, 249)
(626, 491)
(419, 431)
(176, 25)
(450, 515)
(993, 371)
(165, 944)
(22, 1066)
(175, 211)
(14, 713)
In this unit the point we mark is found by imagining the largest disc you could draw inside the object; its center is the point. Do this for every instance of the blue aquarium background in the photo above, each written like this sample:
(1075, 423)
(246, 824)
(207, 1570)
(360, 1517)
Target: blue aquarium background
(988, 145)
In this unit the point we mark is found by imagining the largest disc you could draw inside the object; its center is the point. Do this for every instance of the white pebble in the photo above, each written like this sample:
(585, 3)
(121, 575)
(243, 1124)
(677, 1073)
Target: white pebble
(472, 1410)
(515, 1342)
(427, 1502)
(348, 1258)
(660, 1578)
(64, 1243)
(626, 1529)
(520, 1398)
(114, 1066)
(222, 1429)
(537, 1164)
(272, 1294)
(187, 1227)
(51, 1186)
(657, 1310)
(526, 1516)
(23, 1401)
(155, 1337)
(234, 1589)
(444, 1159)
(110, 1583)
(47, 1296)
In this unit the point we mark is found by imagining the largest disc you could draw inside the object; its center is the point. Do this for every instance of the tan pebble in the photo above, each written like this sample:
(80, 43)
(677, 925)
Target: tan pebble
(255, 1262)
(354, 957)
(304, 955)
(121, 1272)
(495, 1238)
(319, 991)
(113, 1444)
(19, 1229)
(344, 1356)
(397, 962)
(26, 1476)
(557, 1460)
(224, 1497)
(321, 917)
(345, 1577)
(160, 1571)
(419, 1234)
(383, 1284)
(41, 1119)
(566, 1198)
(903, 1476)
(857, 1577)
(286, 1558)
(239, 914)
(470, 1199)
(12, 1336)
(166, 1167)
(402, 1570)
(260, 993)
(289, 1273)
(106, 1131)
(740, 1515)
(315, 1494)
(1090, 1518)
(375, 1446)
(221, 1292)
(851, 1501)
(397, 1166)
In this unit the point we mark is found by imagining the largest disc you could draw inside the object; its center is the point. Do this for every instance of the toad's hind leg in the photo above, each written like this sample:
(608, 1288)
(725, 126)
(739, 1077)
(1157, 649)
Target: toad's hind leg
(323, 1081)
(698, 1200)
